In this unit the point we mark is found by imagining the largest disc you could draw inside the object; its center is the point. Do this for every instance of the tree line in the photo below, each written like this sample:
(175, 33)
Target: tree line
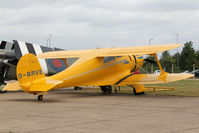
(186, 60)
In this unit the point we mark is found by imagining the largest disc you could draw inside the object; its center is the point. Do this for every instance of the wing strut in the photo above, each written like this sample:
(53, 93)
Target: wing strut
(163, 74)
(64, 59)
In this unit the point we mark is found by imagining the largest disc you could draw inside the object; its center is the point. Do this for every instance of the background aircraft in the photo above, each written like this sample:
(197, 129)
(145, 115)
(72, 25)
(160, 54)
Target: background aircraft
(94, 67)
(11, 52)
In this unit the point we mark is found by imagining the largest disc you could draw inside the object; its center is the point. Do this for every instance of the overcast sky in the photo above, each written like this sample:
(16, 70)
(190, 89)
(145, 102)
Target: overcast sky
(82, 24)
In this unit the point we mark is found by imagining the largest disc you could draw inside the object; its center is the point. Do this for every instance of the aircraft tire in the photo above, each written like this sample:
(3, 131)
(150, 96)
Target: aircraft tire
(40, 98)
(77, 88)
(106, 89)
(109, 89)
(3, 91)
(103, 89)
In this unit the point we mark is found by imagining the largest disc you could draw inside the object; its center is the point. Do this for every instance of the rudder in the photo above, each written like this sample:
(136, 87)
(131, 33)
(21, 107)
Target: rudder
(31, 77)
(29, 69)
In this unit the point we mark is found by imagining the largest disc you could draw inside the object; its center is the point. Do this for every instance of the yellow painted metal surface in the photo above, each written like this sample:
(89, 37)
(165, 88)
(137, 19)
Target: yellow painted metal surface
(29, 69)
(138, 87)
(31, 77)
(14, 86)
(159, 88)
(104, 52)
(154, 78)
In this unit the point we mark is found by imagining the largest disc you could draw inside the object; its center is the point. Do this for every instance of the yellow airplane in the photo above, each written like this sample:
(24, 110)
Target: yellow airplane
(94, 67)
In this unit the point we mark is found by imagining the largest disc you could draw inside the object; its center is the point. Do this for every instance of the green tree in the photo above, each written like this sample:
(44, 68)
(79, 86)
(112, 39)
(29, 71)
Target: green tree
(197, 60)
(188, 56)
(167, 60)
(147, 66)
(197, 55)
(175, 65)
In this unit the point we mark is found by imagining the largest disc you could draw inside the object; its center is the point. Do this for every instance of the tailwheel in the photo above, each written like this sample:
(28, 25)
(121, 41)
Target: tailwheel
(106, 89)
(40, 98)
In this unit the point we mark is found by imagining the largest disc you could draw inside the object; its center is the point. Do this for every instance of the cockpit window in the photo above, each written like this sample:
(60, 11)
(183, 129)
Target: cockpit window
(70, 61)
(108, 59)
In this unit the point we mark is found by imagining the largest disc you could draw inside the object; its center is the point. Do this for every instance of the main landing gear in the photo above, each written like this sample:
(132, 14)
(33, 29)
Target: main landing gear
(106, 89)
(138, 89)
(77, 88)
(40, 98)
(136, 93)
(2, 91)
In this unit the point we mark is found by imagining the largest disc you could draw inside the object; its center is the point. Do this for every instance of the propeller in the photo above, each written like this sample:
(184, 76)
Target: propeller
(2, 72)
(10, 62)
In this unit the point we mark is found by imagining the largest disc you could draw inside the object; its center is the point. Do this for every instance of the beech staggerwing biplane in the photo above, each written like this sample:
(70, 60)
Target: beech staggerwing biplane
(104, 67)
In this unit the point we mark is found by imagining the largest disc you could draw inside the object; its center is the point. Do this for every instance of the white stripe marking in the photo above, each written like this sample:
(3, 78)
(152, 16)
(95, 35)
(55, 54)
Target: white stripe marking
(118, 62)
(8, 46)
(23, 48)
(41, 61)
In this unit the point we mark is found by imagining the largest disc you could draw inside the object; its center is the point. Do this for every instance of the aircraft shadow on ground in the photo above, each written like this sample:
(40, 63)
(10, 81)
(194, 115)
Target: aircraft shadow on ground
(33, 100)
(60, 95)
(78, 94)
(90, 94)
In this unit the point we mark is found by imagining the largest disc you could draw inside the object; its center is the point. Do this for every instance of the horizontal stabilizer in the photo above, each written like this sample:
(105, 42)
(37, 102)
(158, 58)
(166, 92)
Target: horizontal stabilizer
(44, 86)
(154, 78)
(14, 86)
(41, 87)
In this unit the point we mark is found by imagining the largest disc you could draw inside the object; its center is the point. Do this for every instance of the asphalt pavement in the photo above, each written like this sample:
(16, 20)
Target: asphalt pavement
(91, 112)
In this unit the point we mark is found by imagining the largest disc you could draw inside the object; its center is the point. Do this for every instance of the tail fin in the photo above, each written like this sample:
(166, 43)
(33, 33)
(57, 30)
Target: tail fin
(28, 70)
(31, 77)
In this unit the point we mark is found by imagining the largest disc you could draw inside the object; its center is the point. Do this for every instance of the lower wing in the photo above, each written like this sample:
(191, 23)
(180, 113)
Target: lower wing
(153, 78)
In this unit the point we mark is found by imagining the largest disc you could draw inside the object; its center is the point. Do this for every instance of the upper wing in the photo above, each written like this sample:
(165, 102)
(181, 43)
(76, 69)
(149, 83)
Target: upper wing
(103, 52)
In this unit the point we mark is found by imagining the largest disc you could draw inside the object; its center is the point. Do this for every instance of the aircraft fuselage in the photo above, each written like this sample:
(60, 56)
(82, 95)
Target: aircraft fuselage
(98, 70)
